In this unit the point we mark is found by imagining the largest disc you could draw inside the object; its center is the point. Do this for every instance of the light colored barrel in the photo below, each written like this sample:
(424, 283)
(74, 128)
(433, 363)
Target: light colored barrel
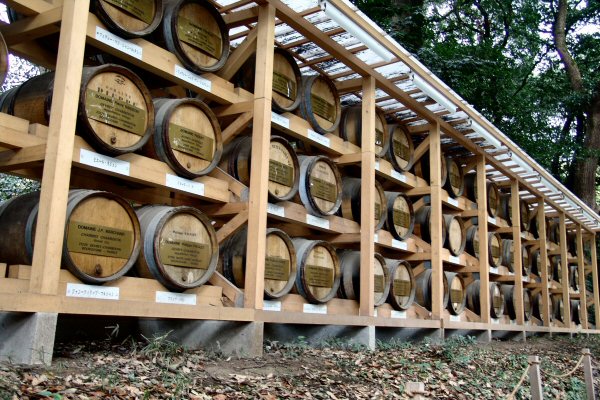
(458, 293)
(129, 18)
(351, 128)
(284, 168)
(180, 248)
(494, 249)
(318, 270)
(351, 201)
(422, 168)
(280, 262)
(350, 281)
(423, 221)
(195, 32)
(400, 219)
(456, 235)
(400, 151)
(320, 185)
(187, 136)
(496, 298)
(423, 293)
(320, 103)
(402, 284)
(510, 302)
(455, 183)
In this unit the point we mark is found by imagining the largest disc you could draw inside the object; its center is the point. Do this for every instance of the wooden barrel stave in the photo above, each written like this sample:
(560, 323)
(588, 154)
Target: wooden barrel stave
(423, 294)
(422, 225)
(400, 218)
(129, 19)
(351, 128)
(318, 270)
(492, 193)
(456, 235)
(457, 293)
(400, 149)
(351, 201)
(496, 298)
(402, 284)
(455, 183)
(558, 307)
(320, 185)
(320, 103)
(350, 281)
(510, 302)
(422, 165)
(508, 254)
(505, 207)
(575, 312)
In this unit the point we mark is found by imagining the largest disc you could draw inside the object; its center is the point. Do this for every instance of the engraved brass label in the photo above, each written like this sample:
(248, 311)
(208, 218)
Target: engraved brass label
(323, 108)
(191, 142)
(141, 9)
(401, 218)
(455, 180)
(277, 268)
(401, 150)
(99, 240)
(493, 199)
(281, 173)
(323, 190)
(284, 85)
(377, 211)
(318, 276)
(111, 111)
(476, 246)
(401, 288)
(379, 283)
(498, 301)
(456, 295)
(183, 253)
(495, 251)
(197, 36)
(378, 137)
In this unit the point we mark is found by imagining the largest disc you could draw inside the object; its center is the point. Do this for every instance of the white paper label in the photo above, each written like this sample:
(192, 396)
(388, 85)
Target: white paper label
(526, 278)
(185, 185)
(492, 220)
(398, 314)
(377, 165)
(270, 305)
(192, 78)
(103, 162)
(452, 202)
(493, 270)
(315, 308)
(376, 238)
(455, 318)
(274, 209)
(279, 120)
(397, 244)
(512, 322)
(398, 176)
(375, 313)
(322, 140)
(316, 221)
(92, 291)
(454, 259)
(104, 36)
(495, 321)
(188, 299)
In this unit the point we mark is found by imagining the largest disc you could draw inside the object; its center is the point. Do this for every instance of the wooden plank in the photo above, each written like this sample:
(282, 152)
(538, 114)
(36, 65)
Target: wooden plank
(367, 196)
(565, 269)
(242, 17)
(17, 139)
(59, 149)
(30, 7)
(236, 187)
(239, 56)
(235, 295)
(33, 27)
(435, 155)
(236, 127)
(482, 216)
(296, 214)
(259, 169)
(232, 226)
(26, 157)
(541, 215)
(581, 284)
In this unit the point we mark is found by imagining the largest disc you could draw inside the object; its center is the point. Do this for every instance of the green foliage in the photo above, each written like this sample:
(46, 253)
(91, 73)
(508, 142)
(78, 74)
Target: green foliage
(11, 186)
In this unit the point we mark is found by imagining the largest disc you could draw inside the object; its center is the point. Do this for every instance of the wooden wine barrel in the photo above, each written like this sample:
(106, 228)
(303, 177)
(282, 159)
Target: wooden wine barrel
(287, 79)
(3, 60)
(505, 209)
(422, 226)
(351, 128)
(402, 284)
(526, 260)
(350, 281)
(421, 168)
(558, 307)
(553, 232)
(492, 193)
(525, 215)
(423, 293)
(187, 137)
(320, 185)
(319, 273)
(116, 113)
(536, 264)
(510, 305)
(455, 183)
(102, 234)
(400, 218)
(574, 277)
(576, 312)
(534, 225)
(556, 269)
(537, 305)
(284, 169)
(508, 254)
(131, 18)
(320, 103)
(400, 151)
(572, 243)
(495, 249)
(180, 246)
(456, 235)
(195, 32)
(472, 242)
(280, 262)
(458, 293)
(6, 100)
(351, 200)
(495, 295)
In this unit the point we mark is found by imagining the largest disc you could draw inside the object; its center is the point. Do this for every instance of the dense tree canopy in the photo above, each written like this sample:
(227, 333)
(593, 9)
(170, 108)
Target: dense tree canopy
(531, 67)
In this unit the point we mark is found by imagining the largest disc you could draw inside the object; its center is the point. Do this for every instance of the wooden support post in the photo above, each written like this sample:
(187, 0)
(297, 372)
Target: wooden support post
(59, 149)
(588, 373)
(517, 257)
(367, 195)
(544, 255)
(437, 267)
(261, 136)
(484, 260)
(583, 316)
(535, 379)
(595, 281)
(564, 261)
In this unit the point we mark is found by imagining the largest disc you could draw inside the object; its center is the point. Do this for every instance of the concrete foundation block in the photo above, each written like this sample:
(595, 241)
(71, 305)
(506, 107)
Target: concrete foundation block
(27, 338)
(316, 335)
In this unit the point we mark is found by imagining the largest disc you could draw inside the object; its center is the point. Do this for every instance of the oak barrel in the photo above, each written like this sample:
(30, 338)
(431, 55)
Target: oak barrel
(455, 183)
(524, 214)
(553, 233)
(422, 226)
(510, 305)
(556, 269)
(576, 312)
(534, 225)
(180, 246)
(115, 115)
(537, 305)
(536, 264)
(129, 18)
(422, 168)
(496, 298)
(526, 260)
(350, 280)
(505, 210)
(572, 243)
(492, 193)
(320, 103)
(400, 150)
(508, 254)
(287, 80)
(320, 185)
(187, 136)
(280, 262)
(400, 218)
(456, 235)
(284, 169)
(423, 293)
(558, 307)
(102, 234)
(472, 242)
(351, 201)
(195, 32)
(494, 249)
(351, 128)
(458, 293)
(402, 284)
(574, 277)
(318, 270)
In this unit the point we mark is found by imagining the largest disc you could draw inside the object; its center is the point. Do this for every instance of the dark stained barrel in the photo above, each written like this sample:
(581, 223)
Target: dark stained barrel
(526, 260)
(505, 209)
(320, 185)
(422, 168)
(508, 254)
(351, 128)
(318, 270)
(537, 305)
(350, 281)
(556, 269)
(558, 307)
(492, 193)
(456, 236)
(525, 215)
(422, 226)
(351, 201)
(553, 233)
(320, 103)
(402, 284)
(574, 277)
(129, 18)
(455, 183)
(536, 264)
(576, 312)
(423, 293)
(401, 148)
(510, 302)
(400, 219)
(496, 299)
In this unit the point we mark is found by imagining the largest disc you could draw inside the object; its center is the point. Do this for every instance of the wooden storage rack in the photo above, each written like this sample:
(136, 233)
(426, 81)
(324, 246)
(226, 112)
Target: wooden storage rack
(52, 154)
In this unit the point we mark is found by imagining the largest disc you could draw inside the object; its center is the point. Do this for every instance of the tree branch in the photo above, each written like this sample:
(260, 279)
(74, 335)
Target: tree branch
(560, 42)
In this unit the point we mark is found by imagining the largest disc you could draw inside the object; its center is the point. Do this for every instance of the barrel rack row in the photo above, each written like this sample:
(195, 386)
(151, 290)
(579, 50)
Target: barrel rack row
(57, 157)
